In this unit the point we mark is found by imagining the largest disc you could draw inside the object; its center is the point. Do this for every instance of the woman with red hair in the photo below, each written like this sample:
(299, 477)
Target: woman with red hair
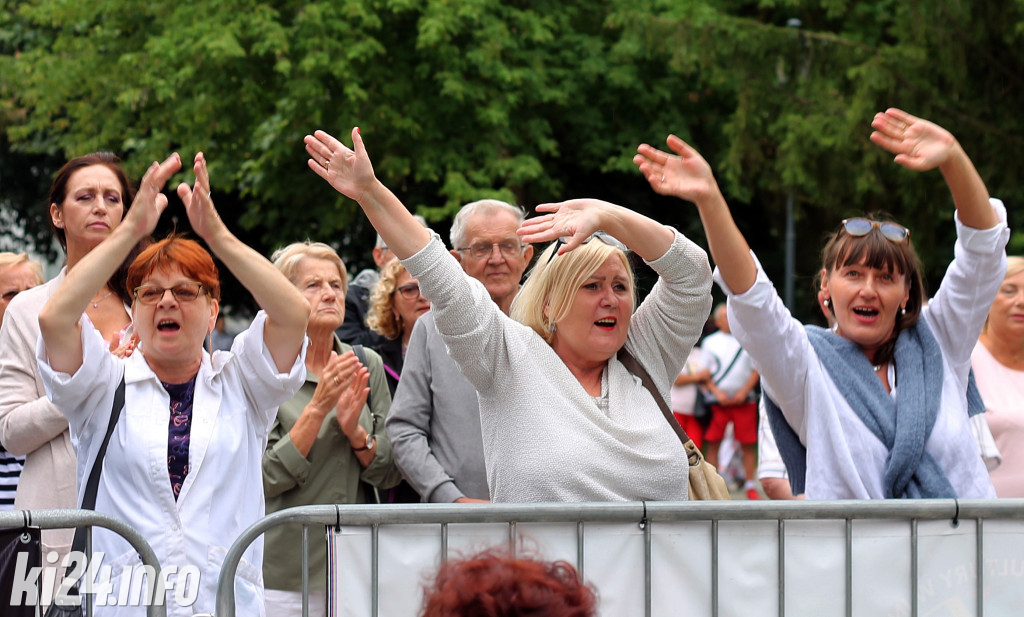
(492, 584)
(183, 461)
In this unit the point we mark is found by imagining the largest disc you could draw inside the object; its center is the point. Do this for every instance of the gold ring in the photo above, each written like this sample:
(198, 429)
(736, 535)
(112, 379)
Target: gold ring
(326, 163)
(337, 381)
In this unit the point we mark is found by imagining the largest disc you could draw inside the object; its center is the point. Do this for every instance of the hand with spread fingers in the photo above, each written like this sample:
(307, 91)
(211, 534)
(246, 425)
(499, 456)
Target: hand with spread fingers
(918, 144)
(573, 221)
(348, 170)
(684, 174)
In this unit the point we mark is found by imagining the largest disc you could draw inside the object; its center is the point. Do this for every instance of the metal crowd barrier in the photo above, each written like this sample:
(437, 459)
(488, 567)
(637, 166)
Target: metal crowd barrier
(918, 522)
(68, 518)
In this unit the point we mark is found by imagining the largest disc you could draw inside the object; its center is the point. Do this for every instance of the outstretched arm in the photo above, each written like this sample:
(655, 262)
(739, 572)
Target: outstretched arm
(350, 172)
(59, 319)
(688, 176)
(287, 311)
(921, 145)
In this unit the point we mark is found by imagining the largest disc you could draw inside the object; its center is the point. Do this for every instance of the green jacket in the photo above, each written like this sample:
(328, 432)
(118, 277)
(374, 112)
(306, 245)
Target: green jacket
(329, 474)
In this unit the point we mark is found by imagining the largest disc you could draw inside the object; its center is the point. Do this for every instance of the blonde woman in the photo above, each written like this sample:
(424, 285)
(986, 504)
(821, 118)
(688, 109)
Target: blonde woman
(563, 419)
(998, 362)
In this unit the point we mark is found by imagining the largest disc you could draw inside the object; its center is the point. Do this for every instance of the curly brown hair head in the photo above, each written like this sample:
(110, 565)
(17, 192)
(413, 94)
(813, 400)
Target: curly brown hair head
(380, 317)
(494, 584)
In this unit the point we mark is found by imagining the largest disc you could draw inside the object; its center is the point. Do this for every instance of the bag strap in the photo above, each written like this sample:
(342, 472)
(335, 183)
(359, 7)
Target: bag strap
(634, 366)
(729, 368)
(89, 498)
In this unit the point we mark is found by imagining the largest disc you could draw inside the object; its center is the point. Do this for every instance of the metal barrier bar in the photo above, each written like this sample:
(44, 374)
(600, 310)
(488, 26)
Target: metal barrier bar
(373, 515)
(68, 518)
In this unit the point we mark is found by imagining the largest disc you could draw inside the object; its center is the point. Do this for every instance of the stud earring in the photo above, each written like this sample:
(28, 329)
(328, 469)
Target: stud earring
(827, 302)
(553, 328)
(903, 310)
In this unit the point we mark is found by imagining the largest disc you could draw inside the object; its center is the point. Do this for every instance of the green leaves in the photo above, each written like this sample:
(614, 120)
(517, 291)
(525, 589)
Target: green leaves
(525, 100)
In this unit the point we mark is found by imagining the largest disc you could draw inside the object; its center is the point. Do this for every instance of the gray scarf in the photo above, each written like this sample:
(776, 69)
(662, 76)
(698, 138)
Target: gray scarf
(902, 425)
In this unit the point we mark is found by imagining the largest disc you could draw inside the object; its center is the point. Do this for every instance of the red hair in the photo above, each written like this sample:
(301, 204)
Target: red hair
(493, 584)
(175, 251)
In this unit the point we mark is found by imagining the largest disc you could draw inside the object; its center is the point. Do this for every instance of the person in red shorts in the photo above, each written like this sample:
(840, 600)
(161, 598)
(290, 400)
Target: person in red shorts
(732, 385)
(684, 395)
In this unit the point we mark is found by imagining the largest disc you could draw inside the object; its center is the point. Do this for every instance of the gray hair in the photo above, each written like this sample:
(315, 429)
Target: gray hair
(483, 206)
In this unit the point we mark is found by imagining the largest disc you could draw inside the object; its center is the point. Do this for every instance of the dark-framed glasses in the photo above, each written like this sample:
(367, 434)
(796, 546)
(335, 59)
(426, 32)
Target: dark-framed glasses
(897, 234)
(481, 250)
(410, 291)
(600, 235)
(182, 292)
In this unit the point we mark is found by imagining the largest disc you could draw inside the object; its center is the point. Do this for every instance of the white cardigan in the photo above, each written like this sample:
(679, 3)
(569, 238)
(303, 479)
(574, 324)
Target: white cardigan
(236, 398)
(844, 458)
(545, 438)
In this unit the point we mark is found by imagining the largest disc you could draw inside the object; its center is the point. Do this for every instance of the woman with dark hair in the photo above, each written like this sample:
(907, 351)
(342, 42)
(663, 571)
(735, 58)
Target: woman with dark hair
(493, 584)
(89, 197)
(834, 395)
(183, 462)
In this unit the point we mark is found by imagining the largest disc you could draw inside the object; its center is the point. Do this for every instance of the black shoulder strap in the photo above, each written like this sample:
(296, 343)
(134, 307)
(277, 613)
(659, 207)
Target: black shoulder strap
(637, 369)
(89, 498)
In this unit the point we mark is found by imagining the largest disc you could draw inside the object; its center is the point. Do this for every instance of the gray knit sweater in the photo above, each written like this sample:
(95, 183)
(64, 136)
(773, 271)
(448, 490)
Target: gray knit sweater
(545, 438)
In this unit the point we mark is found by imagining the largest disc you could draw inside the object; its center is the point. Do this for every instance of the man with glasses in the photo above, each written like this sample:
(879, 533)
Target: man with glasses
(434, 423)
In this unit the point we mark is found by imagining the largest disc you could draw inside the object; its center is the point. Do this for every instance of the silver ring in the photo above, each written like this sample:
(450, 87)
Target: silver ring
(663, 179)
(326, 163)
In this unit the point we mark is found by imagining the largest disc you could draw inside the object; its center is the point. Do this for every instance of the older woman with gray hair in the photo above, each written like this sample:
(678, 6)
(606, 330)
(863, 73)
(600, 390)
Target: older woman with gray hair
(563, 418)
(328, 443)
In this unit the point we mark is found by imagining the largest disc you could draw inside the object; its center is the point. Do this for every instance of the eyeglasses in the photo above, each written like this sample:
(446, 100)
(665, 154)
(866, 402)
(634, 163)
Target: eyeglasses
(897, 234)
(410, 291)
(182, 292)
(481, 250)
(600, 235)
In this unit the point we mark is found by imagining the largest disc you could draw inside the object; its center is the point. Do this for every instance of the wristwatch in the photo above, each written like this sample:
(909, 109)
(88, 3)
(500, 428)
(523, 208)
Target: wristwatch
(369, 443)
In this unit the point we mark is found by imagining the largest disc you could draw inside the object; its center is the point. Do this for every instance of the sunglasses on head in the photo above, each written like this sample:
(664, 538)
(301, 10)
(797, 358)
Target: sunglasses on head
(857, 227)
(600, 235)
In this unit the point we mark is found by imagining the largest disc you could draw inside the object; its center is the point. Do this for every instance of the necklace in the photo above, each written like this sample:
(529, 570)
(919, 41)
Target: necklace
(96, 303)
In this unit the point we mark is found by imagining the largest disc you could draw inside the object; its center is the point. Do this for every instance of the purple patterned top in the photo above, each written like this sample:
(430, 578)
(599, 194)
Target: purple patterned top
(179, 430)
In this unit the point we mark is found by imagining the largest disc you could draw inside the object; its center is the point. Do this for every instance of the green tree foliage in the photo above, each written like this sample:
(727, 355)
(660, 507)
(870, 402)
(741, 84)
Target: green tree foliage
(526, 100)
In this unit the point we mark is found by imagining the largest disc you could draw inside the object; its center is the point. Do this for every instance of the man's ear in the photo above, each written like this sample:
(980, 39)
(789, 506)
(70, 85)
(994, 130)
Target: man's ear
(457, 255)
(528, 253)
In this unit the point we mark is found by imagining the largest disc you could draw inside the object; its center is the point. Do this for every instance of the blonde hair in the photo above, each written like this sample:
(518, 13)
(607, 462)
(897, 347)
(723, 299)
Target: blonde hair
(287, 259)
(553, 283)
(10, 260)
(381, 316)
(1014, 266)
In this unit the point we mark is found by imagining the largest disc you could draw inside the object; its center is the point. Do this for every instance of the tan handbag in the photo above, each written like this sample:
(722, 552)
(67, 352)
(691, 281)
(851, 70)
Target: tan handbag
(705, 481)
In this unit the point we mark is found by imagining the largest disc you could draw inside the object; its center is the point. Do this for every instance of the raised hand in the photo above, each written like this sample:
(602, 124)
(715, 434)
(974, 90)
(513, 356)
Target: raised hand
(346, 169)
(685, 174)
(202, 214)
(918, 144)
(150, 202)
(573, 221)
